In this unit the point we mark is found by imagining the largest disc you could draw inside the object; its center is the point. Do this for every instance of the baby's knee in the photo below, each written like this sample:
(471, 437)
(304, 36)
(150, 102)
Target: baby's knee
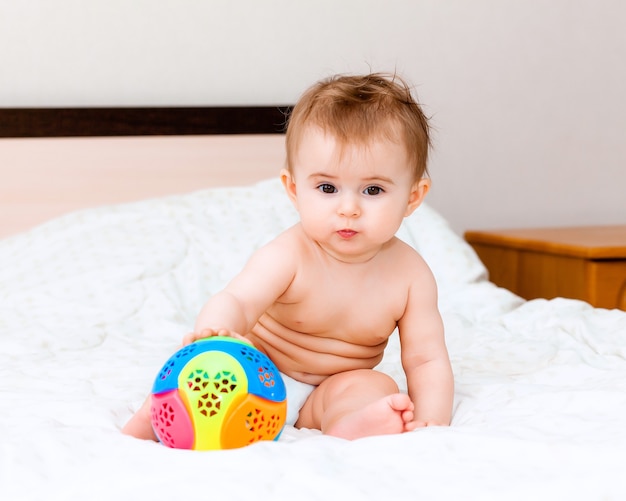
(366, 378)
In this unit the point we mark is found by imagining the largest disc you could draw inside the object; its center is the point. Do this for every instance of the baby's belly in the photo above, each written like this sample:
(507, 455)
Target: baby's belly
(310, 358)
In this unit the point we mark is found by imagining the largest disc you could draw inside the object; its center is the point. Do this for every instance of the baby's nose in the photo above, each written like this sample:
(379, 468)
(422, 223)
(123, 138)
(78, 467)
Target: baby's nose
(349, 206)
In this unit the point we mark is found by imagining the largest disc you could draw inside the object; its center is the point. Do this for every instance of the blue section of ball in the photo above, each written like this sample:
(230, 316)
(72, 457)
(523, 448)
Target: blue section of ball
(264, 379)
(167, 378)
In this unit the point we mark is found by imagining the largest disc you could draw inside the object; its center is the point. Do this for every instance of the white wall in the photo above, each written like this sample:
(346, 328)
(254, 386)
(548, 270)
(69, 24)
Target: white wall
(527, 96)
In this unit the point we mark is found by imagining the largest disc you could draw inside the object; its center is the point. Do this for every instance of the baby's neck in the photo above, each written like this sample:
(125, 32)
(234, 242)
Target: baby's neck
(346, 259)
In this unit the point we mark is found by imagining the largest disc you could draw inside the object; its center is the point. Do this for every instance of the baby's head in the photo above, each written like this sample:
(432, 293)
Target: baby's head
(358, 109)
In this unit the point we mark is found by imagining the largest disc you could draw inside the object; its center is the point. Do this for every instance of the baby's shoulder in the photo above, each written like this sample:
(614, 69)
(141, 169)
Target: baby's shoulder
(287, 245)
(291, 238)
(405, 256)
(400, 249)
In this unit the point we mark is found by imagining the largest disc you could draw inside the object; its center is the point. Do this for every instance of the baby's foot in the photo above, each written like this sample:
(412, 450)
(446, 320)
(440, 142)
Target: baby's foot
(140, 425)
(389, 415)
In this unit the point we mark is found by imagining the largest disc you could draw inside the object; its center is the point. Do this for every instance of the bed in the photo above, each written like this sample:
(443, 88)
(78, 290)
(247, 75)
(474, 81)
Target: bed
(98, 284)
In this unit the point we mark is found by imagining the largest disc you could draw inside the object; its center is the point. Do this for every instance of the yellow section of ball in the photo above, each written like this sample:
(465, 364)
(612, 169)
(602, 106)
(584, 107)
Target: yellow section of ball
(208, 385)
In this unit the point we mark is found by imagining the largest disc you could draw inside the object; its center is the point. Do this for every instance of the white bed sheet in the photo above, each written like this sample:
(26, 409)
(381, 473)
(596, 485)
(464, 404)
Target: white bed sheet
(91, 305)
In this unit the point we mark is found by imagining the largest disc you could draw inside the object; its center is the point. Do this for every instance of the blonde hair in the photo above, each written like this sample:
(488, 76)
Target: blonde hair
(357, 109)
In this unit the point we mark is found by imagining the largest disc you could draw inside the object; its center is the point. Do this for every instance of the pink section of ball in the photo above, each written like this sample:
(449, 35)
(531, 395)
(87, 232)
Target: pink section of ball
(170, 420)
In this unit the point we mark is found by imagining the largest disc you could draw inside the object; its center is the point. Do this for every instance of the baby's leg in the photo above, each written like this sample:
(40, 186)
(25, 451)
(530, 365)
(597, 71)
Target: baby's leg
(357, 404)
(140, 425)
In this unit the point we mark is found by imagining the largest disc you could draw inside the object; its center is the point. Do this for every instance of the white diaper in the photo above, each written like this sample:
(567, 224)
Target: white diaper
(297, 393)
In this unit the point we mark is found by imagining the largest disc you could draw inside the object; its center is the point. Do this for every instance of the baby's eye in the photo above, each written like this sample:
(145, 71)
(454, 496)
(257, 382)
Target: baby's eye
(373, 190)
(327, 188)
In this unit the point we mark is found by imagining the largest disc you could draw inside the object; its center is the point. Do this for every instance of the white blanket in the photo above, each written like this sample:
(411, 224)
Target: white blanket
(93, 303)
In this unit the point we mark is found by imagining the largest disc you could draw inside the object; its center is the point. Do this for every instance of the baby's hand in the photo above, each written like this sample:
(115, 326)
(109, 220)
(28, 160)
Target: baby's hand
(205, 333)
(414, 425)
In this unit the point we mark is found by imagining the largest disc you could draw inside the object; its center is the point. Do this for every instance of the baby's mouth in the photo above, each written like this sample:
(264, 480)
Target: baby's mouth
(346, 233)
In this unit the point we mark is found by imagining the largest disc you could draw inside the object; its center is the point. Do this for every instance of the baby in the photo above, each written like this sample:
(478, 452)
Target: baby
(322, 299)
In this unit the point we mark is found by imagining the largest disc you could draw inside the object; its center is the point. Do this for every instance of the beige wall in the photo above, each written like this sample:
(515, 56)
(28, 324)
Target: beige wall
(527, 96)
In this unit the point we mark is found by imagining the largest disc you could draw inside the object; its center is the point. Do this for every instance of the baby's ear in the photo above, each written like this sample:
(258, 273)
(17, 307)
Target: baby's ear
(290, 185)
(418, 193)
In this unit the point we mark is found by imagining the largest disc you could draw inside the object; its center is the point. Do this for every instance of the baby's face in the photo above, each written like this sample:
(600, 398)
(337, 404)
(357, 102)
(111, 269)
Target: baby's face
(351, 198)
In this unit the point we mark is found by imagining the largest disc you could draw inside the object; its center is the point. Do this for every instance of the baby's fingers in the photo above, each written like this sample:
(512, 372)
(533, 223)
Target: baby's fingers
(194, 336)
(414, 425)
(234, 335)
(210, 332)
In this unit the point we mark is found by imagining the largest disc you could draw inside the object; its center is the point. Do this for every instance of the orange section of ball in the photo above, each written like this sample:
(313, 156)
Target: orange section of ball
(252, 420)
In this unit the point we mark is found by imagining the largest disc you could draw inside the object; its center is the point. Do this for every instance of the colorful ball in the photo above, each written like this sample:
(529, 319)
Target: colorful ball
(218, 393)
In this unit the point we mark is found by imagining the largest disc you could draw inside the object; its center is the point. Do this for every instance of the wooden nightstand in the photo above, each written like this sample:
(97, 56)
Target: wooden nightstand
(587, 263)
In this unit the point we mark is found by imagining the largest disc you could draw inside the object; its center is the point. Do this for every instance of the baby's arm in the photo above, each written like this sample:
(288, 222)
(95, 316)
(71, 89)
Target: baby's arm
(236, 309)
(425, 356)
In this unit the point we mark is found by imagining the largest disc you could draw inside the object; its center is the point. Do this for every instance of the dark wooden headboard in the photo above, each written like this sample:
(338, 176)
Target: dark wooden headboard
(142, 121)
(56, 160)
